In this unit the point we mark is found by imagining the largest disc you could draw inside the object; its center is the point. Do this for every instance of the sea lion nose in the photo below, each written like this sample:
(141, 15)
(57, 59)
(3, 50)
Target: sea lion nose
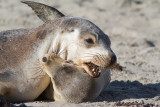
(113, 59)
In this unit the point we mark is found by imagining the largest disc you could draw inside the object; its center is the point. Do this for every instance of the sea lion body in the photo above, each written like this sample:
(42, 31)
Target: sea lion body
(70, 82)
(79, 40)
(21, 78)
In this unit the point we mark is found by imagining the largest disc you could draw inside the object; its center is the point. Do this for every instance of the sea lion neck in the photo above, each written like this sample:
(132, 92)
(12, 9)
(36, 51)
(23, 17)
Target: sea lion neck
(17, 45)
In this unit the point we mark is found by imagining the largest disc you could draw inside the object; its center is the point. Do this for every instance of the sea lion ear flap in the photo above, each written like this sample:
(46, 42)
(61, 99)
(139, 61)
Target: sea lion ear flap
(44, 12)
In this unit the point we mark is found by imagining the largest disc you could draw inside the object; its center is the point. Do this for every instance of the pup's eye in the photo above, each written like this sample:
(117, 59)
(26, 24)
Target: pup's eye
(89, 40)
(44, 59)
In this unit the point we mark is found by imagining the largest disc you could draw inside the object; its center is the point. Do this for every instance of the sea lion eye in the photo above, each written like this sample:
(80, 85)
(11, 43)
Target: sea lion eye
(44, 59)
(89, 40)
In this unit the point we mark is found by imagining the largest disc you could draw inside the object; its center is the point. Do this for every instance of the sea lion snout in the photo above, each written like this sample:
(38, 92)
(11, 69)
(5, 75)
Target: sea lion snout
(104, 60)
(107, 61)
(113, 59)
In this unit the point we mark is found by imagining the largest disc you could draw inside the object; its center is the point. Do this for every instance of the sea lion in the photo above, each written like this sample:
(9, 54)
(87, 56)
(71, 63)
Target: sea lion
(47, 13)
(70, 82)
(21, 77)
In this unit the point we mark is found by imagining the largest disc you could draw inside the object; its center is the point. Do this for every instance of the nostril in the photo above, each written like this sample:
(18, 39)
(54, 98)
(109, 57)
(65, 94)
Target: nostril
(113, 59)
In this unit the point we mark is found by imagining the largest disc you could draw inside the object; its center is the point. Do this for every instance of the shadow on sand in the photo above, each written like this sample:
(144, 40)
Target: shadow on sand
(120, 90)
(117, 91)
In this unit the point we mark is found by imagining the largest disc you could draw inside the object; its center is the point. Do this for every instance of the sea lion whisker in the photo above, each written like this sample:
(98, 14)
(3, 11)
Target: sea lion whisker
(103, 60)
(38, 72)
(37, 68)
(91, 54)
(37, 77)
(61, 52)
(86, 56)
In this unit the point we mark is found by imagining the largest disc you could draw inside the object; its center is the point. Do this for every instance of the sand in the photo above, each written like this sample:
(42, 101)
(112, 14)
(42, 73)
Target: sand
(134, 29)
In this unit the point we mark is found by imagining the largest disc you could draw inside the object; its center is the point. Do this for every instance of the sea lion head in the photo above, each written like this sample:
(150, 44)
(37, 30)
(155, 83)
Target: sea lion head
(78, 40)
(86, 45)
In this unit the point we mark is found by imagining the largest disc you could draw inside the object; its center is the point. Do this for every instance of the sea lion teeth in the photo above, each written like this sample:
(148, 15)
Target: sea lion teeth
(99, 71)
(93, 69)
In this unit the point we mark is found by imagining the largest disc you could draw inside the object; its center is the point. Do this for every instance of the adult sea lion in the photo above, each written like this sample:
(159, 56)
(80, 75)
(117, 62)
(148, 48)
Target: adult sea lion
(21, 77)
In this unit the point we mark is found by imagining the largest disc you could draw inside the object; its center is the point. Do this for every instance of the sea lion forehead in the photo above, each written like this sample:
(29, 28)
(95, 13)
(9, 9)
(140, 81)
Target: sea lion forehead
(85, 27)
(80, 23)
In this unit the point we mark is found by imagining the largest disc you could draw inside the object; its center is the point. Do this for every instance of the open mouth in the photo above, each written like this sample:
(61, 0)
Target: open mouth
(92, 69)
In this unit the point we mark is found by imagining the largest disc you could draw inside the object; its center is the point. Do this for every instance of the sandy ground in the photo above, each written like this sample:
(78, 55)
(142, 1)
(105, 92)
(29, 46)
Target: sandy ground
(134, 29)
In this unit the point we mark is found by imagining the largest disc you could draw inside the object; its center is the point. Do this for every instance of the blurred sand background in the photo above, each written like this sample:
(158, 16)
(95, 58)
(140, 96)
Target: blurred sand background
(134, 29)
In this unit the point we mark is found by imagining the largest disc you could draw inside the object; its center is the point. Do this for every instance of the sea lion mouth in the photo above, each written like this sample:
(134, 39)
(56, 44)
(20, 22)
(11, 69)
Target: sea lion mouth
(92, 69)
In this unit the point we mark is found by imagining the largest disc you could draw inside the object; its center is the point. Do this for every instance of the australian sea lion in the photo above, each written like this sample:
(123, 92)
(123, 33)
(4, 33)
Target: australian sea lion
(21, 77)
(91, 38)
(70, 82)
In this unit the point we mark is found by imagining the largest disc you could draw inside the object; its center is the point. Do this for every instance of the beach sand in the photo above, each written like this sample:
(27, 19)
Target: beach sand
(134, 29)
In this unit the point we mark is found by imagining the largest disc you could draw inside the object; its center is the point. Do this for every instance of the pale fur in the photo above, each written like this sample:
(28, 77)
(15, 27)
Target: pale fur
(21, 77)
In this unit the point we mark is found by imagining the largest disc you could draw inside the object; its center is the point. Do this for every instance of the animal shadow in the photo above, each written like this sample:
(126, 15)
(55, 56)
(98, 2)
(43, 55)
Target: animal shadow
(120, 90)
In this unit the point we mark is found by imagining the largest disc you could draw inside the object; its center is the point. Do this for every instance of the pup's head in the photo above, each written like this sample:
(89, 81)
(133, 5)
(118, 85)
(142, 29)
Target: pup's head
(69, 81)
(50, 62)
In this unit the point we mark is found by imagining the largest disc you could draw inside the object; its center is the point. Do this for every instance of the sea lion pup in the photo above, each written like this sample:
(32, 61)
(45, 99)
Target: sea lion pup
(21, 76)
(70, 82)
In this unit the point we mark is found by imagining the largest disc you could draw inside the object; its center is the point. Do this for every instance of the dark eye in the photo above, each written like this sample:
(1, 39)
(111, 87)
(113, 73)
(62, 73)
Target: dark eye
(44, 59)
(89, 40)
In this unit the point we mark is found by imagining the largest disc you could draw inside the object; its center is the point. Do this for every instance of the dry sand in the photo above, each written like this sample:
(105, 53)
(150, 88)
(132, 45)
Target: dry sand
(134, 29)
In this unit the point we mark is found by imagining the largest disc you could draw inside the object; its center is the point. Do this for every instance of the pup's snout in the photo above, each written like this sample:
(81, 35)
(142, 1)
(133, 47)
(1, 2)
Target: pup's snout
(113, 59)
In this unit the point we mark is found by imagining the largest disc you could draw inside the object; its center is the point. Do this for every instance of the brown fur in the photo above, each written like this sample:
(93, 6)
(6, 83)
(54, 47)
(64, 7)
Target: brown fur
(17, 47)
